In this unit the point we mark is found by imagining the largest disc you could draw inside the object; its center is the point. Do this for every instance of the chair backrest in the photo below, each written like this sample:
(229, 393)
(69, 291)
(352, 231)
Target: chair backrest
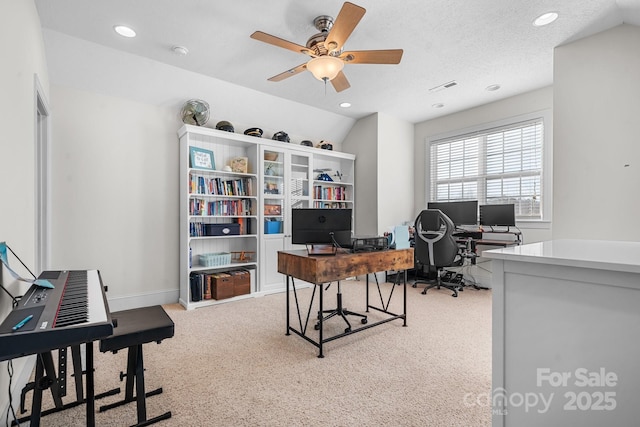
(435, 245)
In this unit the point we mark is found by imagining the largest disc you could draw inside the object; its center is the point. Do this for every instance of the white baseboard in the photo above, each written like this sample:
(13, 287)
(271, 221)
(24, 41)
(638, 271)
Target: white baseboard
(128, 302)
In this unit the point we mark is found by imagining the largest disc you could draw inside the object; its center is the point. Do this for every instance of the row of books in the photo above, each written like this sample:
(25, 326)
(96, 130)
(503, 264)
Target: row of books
(221, 207)
(329, 193)
(331, 205)
(220, 187)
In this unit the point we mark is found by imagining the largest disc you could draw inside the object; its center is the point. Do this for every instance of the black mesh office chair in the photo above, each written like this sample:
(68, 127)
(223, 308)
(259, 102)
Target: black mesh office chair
(436, 248)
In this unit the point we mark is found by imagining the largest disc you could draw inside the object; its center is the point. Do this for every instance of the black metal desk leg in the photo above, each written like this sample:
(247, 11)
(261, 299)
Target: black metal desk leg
(404, 278)
(367, 288)
(287, 332)
(320, 320)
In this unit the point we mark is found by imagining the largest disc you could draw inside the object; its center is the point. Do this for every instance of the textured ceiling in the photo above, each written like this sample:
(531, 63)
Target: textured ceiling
(476, 43)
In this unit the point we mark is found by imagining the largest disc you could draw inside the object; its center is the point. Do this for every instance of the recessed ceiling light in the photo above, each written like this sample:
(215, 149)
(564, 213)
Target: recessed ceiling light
(180, 50)
(345, 104)
(545, 19)
(124, 31)
(438, 105)
(491, 88)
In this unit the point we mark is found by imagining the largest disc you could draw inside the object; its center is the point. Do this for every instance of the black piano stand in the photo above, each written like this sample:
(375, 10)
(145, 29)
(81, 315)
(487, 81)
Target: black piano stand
(46, 378)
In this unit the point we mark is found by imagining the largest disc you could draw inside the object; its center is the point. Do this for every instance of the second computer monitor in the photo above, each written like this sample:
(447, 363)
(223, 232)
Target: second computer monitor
(461, 213)
(498, 215)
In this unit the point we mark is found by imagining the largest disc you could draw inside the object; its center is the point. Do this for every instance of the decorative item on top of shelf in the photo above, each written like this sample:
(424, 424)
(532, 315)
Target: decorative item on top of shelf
(239, 164)
(225, 126)
(195, 112)
(325, 145)
(254, 132)
(338, 175)
(227, 168)
(306, 143)
(201, 158)
(242, 256)
(281, 136)
(323, 175)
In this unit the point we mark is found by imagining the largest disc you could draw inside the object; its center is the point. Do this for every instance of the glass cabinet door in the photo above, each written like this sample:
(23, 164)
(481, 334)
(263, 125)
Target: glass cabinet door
(273, 191)
(299, 188)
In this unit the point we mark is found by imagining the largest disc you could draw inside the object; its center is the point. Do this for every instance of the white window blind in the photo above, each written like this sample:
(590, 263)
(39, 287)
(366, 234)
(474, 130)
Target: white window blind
(493, 166)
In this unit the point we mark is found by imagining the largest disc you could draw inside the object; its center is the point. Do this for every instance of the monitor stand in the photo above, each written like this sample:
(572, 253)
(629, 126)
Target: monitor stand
(321, 249)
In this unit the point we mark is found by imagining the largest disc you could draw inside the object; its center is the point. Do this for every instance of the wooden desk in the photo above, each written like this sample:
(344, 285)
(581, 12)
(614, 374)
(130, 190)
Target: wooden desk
(321, 269)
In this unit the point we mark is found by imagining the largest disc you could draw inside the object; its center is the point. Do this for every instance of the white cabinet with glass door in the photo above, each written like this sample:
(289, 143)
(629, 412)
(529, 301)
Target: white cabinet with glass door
(286, 185)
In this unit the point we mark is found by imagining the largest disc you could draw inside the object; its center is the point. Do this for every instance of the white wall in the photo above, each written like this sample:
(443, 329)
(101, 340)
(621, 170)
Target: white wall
(362, 141)
(115, 192)
(538, 100)
(23, 57)
(395, 173)
(596, 142)
(383, 146)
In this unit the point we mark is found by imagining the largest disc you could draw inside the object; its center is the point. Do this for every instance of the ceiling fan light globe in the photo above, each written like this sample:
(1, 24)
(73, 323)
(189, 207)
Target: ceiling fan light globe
(325, 67)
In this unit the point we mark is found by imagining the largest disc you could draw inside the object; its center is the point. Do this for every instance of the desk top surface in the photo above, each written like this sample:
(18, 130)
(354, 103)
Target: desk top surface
(597, 254)
(320, 269)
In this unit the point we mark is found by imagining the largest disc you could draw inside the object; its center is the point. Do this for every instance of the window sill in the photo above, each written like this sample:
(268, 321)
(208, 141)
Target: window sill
(534, 225)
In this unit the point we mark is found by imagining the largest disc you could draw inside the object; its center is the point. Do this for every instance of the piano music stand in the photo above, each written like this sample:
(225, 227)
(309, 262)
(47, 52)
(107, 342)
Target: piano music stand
(132, 329)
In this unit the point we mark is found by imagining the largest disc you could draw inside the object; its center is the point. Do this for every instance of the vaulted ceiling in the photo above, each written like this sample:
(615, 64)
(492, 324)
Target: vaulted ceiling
(477, 44)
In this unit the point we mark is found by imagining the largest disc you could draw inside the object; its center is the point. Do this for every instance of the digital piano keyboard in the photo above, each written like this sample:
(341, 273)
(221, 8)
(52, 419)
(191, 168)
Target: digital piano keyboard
(75, 311)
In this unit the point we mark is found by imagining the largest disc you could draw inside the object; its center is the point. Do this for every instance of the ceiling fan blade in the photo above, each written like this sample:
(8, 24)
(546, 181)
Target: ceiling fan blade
(340, 82)
(291, 72)
(345, 22)
(389, 56)
(277, 41)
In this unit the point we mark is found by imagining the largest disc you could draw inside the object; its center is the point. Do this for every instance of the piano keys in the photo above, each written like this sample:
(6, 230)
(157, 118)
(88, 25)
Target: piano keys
(75, 311)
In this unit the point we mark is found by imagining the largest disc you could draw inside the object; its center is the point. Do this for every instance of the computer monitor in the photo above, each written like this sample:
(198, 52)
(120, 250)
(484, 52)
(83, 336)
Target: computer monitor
(321, 227)
(460, 213)
(498, 215)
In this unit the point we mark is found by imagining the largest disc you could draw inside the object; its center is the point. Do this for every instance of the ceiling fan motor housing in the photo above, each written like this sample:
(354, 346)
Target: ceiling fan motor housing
(316, 43)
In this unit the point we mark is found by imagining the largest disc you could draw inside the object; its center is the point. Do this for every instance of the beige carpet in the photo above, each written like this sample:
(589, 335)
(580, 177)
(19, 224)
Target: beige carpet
(232, 365)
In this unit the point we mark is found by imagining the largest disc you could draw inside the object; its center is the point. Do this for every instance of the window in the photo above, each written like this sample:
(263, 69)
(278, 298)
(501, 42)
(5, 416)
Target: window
(494, 165)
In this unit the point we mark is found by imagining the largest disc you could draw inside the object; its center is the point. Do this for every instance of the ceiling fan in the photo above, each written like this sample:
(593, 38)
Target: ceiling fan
(326, 48)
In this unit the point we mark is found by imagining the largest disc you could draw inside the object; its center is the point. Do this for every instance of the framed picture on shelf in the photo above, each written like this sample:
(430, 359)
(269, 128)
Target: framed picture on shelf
(272, 209)
(201, 158)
